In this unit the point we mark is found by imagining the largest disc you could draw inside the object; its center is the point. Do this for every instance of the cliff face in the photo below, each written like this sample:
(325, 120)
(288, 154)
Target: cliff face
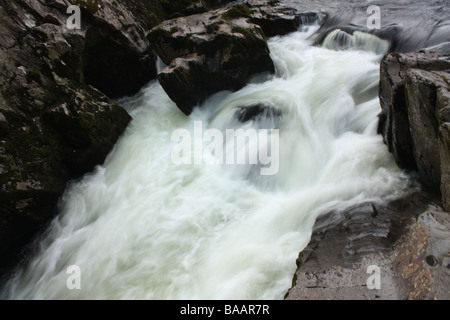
(58, 120)
(415, 118)
(57, 117)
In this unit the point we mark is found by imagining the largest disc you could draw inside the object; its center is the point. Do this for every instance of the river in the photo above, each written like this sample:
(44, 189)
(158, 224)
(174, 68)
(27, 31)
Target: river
(147, 226)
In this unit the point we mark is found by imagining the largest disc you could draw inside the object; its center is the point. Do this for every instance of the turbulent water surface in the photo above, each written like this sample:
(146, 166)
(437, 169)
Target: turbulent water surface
(414, 24)
(144, 227)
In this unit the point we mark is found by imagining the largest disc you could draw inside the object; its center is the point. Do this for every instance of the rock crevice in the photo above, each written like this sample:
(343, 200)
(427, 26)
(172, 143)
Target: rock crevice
(414, 122)
(57, 117)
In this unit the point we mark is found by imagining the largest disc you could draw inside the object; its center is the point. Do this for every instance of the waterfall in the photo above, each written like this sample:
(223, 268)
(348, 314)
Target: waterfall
(144, 227)
(339, 39)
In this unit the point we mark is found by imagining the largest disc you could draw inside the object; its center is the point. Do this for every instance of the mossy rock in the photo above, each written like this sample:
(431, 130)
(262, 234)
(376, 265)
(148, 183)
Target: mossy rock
(241, 10)
(93, 6)
(33, 75)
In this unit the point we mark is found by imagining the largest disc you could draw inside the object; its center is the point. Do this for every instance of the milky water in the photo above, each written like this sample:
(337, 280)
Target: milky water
(143, 227)
(421, 24)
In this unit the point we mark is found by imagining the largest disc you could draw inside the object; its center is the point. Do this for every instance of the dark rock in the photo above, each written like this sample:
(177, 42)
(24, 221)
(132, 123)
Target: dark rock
(219, 50)
(421, 92)
(4, 127)
(208, 53)
(55, 124)
(278, 21)
(343, 37)
(113, 66)
(189, 7)
(254, 112)
(444, 147)
(191, 73)
(432, 261)
(414, 96)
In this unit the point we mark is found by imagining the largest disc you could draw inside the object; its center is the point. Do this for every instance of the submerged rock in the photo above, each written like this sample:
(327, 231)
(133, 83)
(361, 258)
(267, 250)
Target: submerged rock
(380, 41)
(414, 95)
(253, 112)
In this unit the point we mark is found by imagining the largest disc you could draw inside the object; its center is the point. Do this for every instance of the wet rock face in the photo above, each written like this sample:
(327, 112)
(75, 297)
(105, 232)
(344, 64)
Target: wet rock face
(57, 119)
(55, 126)
(113, 66)
(209, 53)
(405, 243)
(257, 111)
(414, 95)
(219, 50)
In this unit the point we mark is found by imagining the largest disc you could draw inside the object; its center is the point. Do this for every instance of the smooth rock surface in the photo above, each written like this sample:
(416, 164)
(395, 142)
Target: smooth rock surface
(219, 50)
(414, 95)
(405, 242)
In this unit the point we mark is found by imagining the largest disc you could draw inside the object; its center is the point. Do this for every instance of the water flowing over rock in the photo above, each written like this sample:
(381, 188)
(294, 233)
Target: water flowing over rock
(56, 121)
(54, 126)
(209, 53)
(219, 50)
(414, 95)
(405, 243)
(253, 112)
(381, 41)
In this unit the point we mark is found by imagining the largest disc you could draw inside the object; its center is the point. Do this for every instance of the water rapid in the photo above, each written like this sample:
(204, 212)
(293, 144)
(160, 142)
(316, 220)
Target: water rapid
(144, 227)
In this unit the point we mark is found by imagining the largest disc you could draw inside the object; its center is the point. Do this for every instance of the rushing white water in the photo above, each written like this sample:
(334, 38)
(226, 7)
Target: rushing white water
(338, 39)
(142, 227)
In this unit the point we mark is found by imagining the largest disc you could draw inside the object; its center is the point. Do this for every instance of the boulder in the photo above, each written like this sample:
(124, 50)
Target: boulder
(219, 50)
(279, 20)
(208, 53)
(189, 7)
(414, 95)
(424, 92)
(256, 112)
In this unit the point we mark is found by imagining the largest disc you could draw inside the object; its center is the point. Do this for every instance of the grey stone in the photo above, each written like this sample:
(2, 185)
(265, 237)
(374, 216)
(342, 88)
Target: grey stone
(396, 239)
(414, 96)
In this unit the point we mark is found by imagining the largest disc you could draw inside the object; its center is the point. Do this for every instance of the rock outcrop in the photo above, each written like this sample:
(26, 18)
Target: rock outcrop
(55, 126)
(219, 50)
(403, 244)
(208, 53)
(394, 251)
(57, 119)
(415, 100)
